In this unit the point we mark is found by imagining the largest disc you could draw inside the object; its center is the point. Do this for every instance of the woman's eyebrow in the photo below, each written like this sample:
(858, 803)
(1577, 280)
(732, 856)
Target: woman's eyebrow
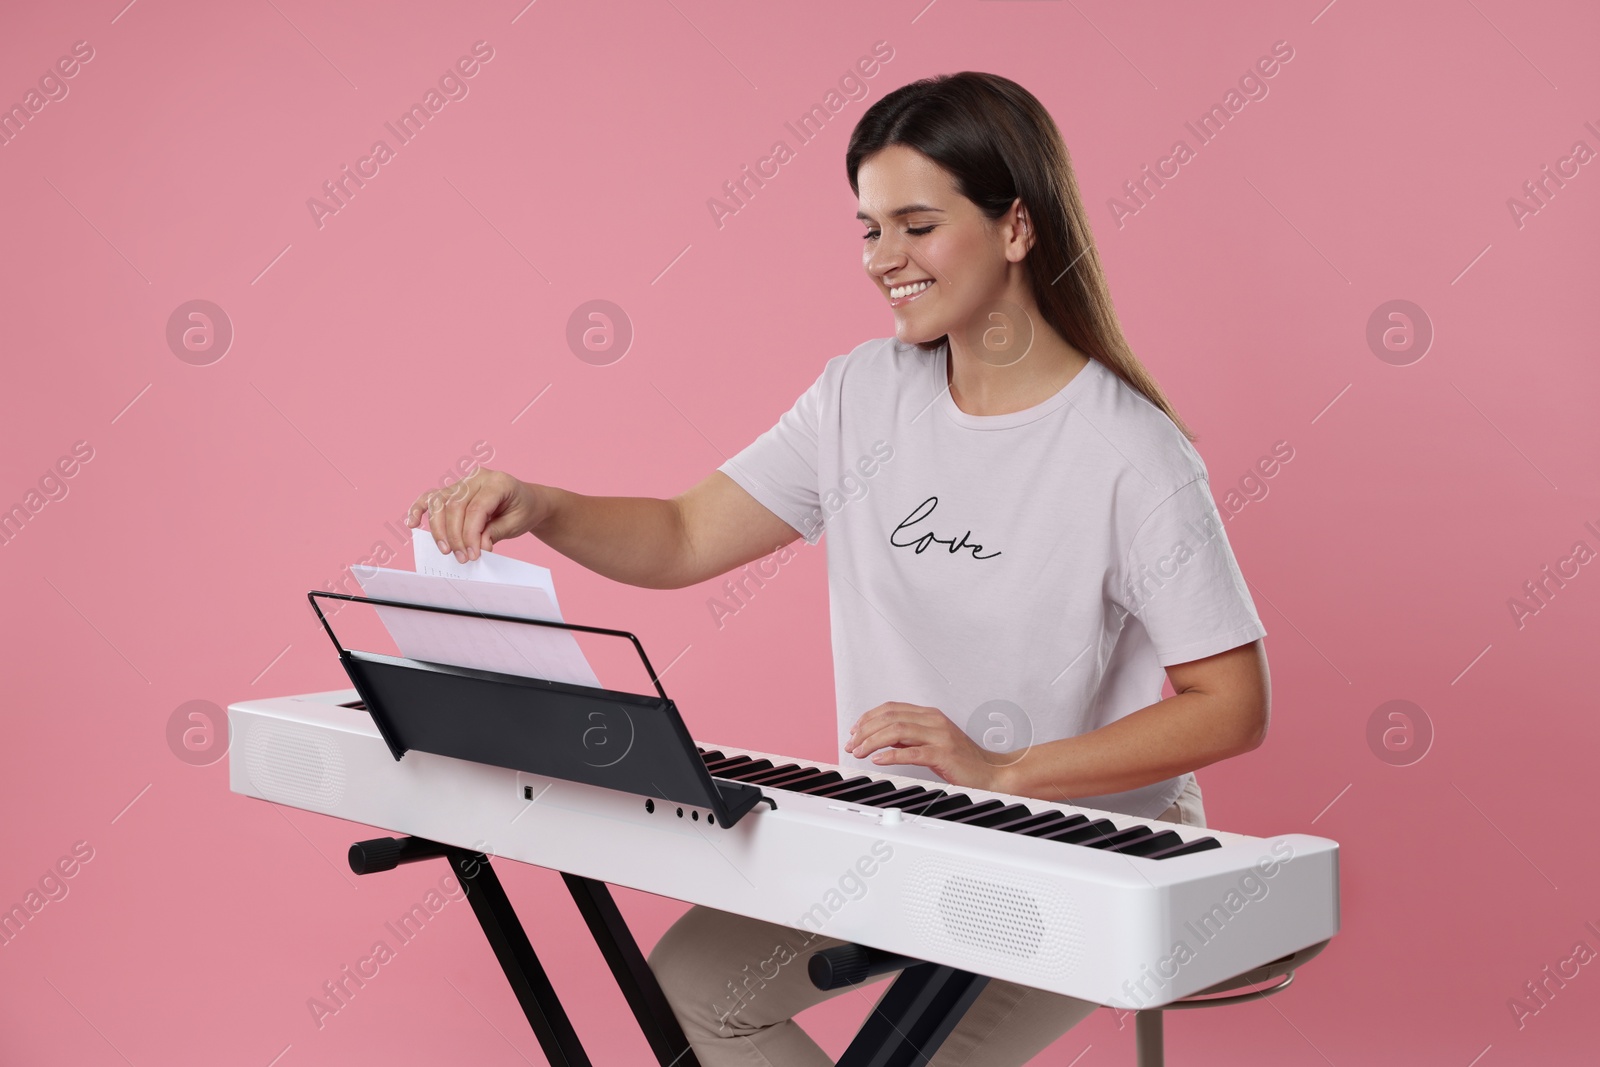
(909, 209)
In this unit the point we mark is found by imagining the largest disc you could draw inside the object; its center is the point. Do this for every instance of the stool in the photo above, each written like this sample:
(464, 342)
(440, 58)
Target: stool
(1147, 1028)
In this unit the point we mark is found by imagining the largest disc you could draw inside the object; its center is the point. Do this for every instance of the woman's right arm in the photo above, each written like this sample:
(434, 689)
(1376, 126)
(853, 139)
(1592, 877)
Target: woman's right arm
(657, 544)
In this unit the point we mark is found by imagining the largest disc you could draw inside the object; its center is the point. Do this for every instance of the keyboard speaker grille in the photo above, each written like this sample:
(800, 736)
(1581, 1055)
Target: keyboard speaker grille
(293, 765)
(999, 915)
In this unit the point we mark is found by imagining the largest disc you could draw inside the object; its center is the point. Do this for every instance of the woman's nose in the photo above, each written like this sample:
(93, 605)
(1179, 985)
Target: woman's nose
(884, 258)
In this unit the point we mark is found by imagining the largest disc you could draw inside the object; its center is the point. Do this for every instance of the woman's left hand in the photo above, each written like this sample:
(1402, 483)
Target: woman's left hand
(911, 733)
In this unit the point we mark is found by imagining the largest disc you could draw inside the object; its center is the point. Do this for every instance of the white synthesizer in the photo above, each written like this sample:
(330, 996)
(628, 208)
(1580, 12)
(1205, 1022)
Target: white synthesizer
(1131, 913)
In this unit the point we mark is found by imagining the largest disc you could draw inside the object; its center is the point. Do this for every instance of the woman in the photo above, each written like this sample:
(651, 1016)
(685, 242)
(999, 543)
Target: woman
(1022, 539)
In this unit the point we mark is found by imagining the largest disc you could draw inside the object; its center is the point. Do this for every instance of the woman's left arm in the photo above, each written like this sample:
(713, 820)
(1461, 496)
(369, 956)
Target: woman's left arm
(1219, 708)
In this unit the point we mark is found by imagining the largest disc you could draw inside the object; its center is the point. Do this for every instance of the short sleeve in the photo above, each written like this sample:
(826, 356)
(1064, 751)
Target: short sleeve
(1181, 581)
(779, 468)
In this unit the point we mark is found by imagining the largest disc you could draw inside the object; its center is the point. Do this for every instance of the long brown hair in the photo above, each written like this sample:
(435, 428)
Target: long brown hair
(999, 143)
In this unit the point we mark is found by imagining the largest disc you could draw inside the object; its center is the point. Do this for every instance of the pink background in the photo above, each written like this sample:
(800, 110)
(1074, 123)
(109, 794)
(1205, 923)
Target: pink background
(372, 352)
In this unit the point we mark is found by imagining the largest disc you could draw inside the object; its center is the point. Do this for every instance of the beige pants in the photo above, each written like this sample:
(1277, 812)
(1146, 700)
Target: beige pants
(736, 983)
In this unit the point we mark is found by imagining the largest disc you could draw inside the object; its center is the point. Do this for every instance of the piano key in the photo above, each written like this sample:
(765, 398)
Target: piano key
(1143, 846)
(901, 797)
(895, 799)
(1082, 832)
(1118, 837)
(923, 808)
(828, 779)
(1052, 821)
(1023, 820)
(949, 803)
(741, 772)
(920, 805)
(1006, 813)
(728, 764)
(763, 777)
(1199, 844)
(844, 786)
(971, 811)
(803, 777)
(859, 794)
(710, 757)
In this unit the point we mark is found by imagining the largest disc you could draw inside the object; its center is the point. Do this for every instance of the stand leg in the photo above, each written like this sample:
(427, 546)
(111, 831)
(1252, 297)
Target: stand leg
(522, 968)
(632, 972)
(1148, 1039)
(913, 1017)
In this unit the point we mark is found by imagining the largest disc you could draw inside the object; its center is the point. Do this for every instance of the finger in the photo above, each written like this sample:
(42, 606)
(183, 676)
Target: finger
(869, 723)
(894, 733)
(869, 719)
(433, 507)
(481, 507)
(895, 709)
(456, 498)
(920, 755)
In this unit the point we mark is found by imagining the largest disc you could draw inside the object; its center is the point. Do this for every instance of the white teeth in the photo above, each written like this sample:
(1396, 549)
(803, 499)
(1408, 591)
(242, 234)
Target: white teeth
(906, 290)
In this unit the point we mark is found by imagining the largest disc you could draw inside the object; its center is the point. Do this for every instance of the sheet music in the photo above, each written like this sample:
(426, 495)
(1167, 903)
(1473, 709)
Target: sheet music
(485, 644)
(488, 567)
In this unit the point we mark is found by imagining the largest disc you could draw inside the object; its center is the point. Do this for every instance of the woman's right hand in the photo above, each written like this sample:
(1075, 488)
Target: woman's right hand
(470, 516)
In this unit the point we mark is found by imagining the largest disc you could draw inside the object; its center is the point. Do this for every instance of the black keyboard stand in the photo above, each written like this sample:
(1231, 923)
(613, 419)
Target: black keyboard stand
(906, 1026)
(521, 964)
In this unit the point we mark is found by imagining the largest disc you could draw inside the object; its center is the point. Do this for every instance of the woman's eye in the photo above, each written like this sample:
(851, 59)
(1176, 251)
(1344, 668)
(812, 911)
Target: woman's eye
(916, 231)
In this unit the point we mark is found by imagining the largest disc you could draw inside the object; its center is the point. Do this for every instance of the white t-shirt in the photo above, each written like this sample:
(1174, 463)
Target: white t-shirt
(1028, 574)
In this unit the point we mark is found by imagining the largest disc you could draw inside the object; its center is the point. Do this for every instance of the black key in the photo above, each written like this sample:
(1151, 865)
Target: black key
(777, 774)
(1052, 821)
(1083, 832)
(972, 811)
(1199, 844)
(1022, 820)
(901, 797)
(800, 779)
(1143, 846)
(847, 784)
(746, 770)
(1132, 833)
(828, 779)
(861, 793)
(728, 764)
(1007, 813)
(949, 803)
(763, 777)
(711, 757)
(920, 805)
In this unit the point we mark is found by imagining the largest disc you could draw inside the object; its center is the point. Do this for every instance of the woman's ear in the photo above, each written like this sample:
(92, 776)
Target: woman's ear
(1024, 228)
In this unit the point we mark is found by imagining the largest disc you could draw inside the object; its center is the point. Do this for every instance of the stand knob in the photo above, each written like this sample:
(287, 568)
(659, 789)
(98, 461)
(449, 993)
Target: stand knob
(379, 854)
(844, 965)
(387, 853)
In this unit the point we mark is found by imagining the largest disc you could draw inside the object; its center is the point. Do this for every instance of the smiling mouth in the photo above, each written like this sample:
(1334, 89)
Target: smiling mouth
(907, 297)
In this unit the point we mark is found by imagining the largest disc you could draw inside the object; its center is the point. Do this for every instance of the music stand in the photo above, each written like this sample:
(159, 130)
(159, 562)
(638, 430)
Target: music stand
(537, 725)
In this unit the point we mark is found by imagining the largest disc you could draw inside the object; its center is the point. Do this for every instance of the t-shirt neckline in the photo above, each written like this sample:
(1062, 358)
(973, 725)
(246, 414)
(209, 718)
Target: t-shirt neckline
(947, 403)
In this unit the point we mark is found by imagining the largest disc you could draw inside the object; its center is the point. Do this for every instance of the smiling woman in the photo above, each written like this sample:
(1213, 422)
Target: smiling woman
(1031, 548)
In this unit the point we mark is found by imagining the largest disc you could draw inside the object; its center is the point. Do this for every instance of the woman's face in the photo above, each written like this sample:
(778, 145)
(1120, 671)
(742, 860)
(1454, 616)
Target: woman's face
(920, 229)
